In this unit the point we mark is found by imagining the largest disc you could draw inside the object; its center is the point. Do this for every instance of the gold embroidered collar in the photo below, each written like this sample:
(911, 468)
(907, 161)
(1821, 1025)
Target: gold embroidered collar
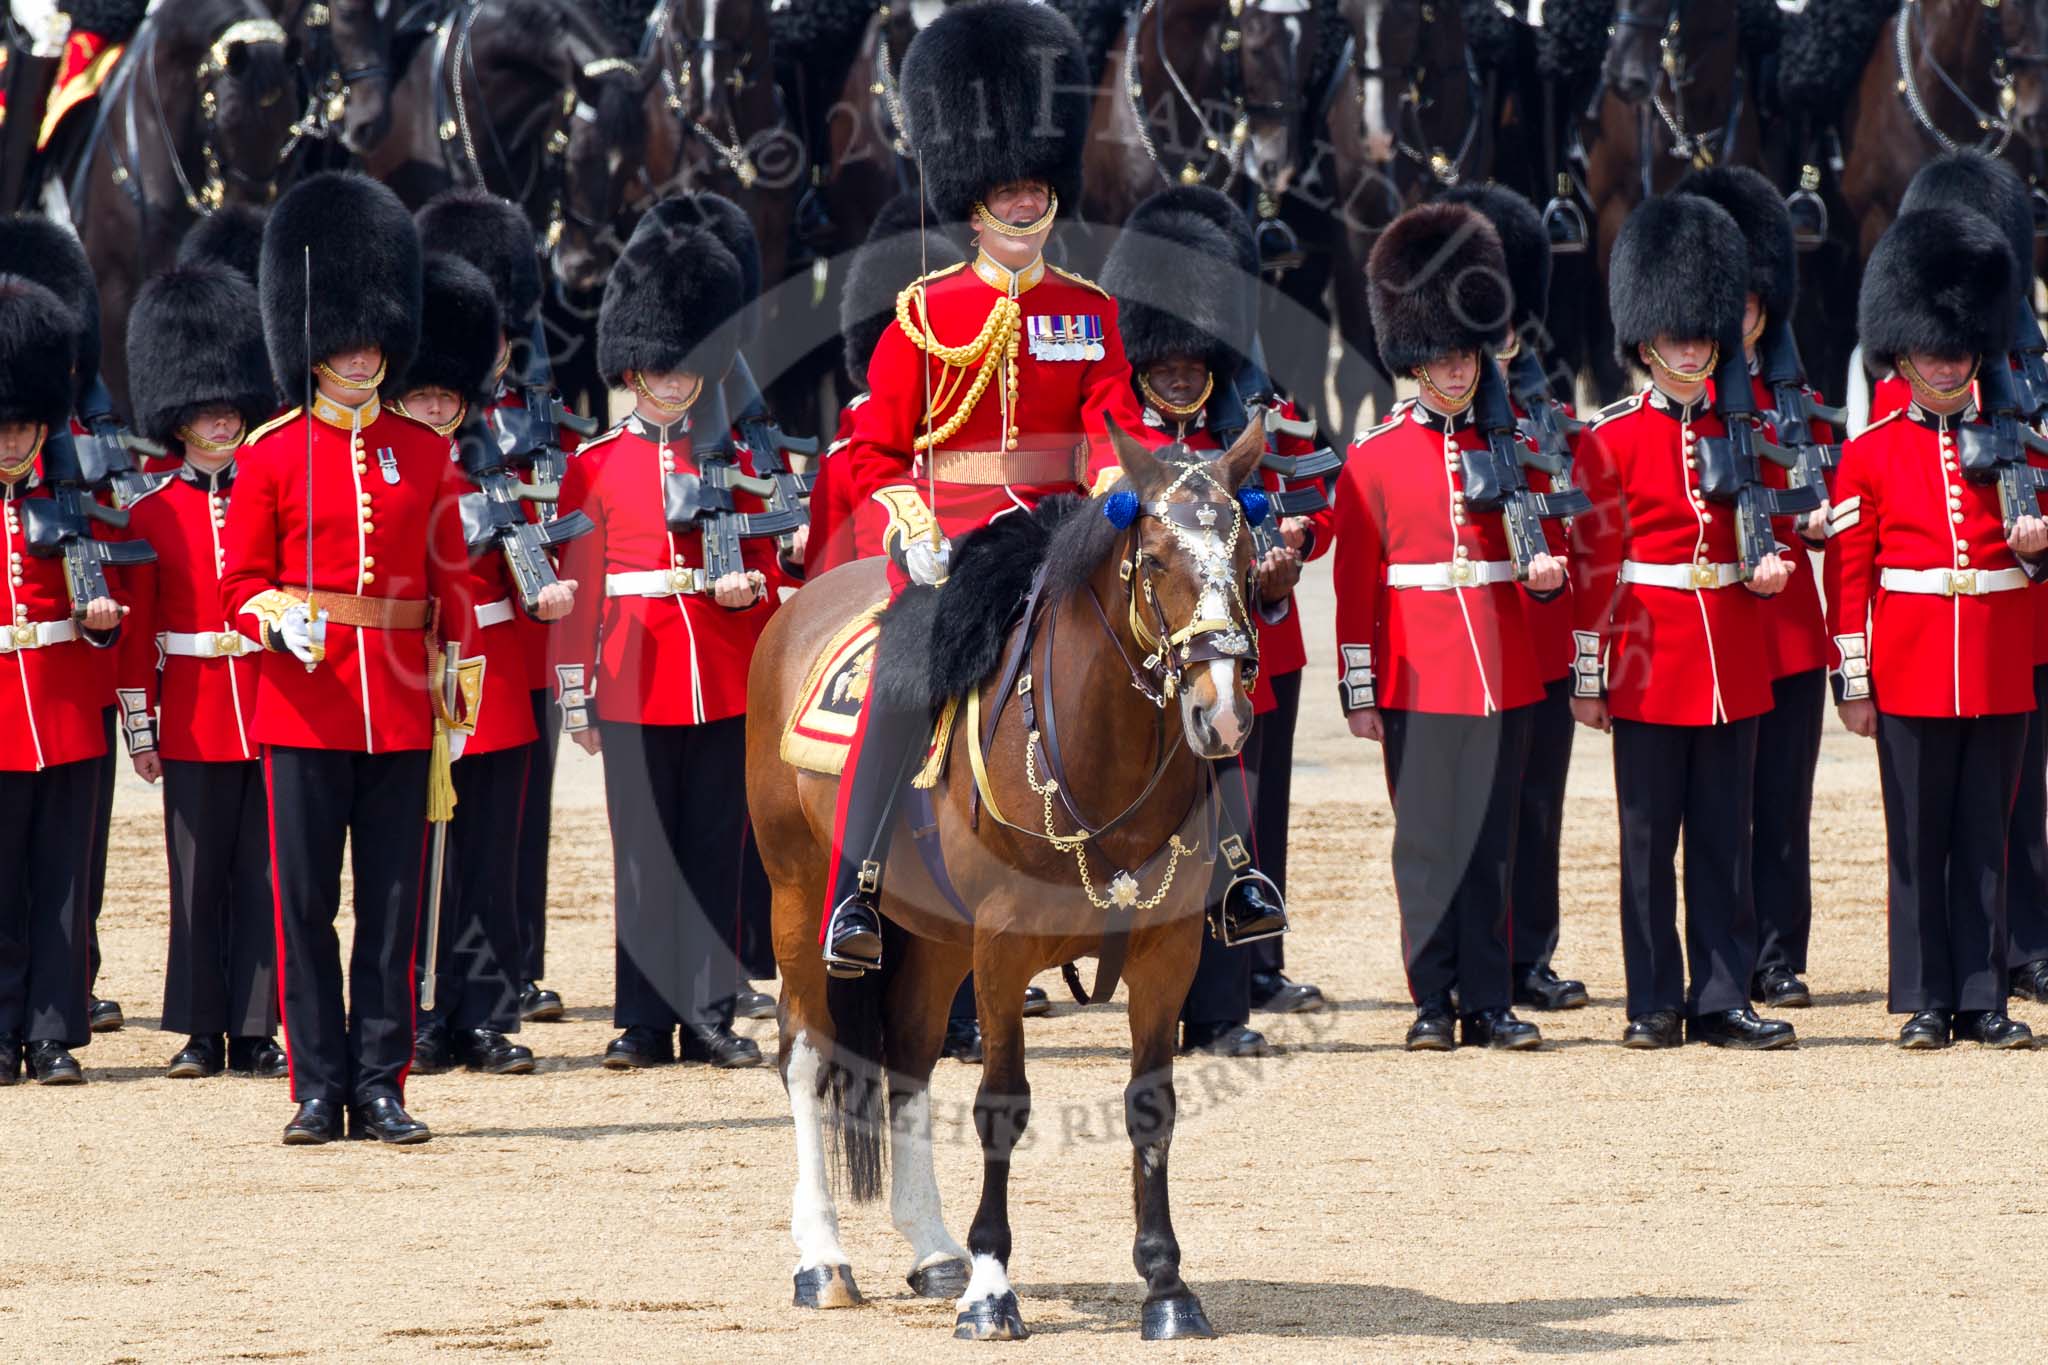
(345, 418)
(1004, 280)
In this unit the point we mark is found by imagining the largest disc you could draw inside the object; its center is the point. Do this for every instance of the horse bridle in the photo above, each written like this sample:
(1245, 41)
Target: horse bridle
(1699, 149)
(675, 78)
(1997, 127)
(1230, 53)
(1411, 137)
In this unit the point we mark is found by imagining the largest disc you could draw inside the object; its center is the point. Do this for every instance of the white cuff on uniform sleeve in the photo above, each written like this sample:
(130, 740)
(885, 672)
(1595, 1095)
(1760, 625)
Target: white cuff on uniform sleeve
(1589, 678)
(138, 722)
(574, 700)
(1357, 682)
(1852, 676)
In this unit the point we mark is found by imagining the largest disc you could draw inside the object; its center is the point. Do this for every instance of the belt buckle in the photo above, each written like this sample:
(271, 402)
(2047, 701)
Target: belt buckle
(1705, 576)
(227, 645)
(1461, 573)
(1960, 583)
(682, 580)
(23, 634)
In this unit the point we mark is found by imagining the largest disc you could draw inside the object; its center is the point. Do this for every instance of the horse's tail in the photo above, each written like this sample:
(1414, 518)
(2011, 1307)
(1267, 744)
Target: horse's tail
(856, 1080)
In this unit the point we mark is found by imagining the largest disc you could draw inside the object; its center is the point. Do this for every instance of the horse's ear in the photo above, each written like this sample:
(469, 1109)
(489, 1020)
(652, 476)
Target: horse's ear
(1141, 467)
(1242, 459)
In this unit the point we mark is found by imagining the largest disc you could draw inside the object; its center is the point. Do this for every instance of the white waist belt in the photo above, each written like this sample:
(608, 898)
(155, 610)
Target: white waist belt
(1952, 582)
(494, 613)
(654, 583)
(208, 644)
(37, 634)
(1688, 577)
(1463, 573)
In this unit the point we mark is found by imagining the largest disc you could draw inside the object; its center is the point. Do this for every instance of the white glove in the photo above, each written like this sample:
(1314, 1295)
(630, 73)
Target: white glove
(297, 627)
(458, 740)
(925, 564)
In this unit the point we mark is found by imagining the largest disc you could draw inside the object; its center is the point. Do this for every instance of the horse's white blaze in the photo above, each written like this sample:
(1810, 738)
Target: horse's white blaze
(914, 1187)
(710, 59)
(1374, 92)
(1223, 717)
(813, 1220)
(922, 12)
(988, 1281)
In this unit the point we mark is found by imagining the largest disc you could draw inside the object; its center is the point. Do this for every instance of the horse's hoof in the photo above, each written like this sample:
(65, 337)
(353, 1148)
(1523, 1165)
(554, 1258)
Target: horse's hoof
(826, 1286)
(1172, 1319)
(991, 1319)
(945, 1279)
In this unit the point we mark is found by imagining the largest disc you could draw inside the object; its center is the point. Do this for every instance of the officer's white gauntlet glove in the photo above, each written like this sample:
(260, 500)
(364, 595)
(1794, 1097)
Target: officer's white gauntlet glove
(926, 564)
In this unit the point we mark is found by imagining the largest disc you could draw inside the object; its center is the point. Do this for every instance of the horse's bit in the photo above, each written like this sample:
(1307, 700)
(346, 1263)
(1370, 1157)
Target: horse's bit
(1230, 146)
(1411, 138)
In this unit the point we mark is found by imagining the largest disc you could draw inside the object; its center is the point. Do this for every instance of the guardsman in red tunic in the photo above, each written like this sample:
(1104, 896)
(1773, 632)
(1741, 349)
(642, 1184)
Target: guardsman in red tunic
(493, 235)
(1673, 650)
(477, 971)
(1539, 820)
(200, 382)
(52, 676)
(49, 253)
(1183, 274)
(993, 383)
(1928, 603)
(653, 660)
(1788, 734)
(348, 564)
(1435, 655)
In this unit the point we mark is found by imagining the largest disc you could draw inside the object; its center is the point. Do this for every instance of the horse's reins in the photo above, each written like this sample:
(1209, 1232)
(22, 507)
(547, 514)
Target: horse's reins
(1411, 138)
(1230, 47)
(1699, 149)
(1997, 128)
(731, 149)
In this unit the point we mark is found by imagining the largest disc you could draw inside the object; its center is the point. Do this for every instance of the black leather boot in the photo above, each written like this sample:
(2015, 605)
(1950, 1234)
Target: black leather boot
(889, 746)
(202, 1055)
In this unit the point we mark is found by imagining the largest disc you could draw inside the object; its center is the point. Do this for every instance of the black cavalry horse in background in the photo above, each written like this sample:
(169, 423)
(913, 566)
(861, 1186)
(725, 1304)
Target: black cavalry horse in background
(204, 109)
(345, 51)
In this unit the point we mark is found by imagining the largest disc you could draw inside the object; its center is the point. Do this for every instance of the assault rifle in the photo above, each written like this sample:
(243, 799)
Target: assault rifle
(493, 516)
(770, 446)
(1794, 411)
(703, 502)
(61, 524)
(1494, 481)
(1995, 449)
(1547, 427)
(1230, 411)
(107, 451)
(1729, 466)
(529, 435)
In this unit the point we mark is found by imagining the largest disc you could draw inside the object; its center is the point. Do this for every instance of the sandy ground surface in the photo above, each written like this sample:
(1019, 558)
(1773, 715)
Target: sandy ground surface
(1341, 1199)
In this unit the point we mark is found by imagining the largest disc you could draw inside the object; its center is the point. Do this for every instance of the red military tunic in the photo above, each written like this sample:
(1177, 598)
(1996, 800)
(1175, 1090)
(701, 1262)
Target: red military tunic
(1674, 655)
(833, 536)
(1072, 378)
(674, 659)
(1456, 650)
(51, 695)
(1901, 503)
(205, 694)
(1281, 647)
(1795, 619)
(384, 525)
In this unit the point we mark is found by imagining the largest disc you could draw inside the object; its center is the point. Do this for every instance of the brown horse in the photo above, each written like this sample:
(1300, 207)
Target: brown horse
(1166, 589)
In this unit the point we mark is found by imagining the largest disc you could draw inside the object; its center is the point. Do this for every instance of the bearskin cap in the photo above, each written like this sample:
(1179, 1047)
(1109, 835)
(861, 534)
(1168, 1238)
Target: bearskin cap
(366, 275)
(1438, 282)
(1179, 282)
(37, 248)
(114, 20)
(493, 235)
(895, 254)
(996, 91)
(728, 222)
(1523, 243)
(460, 330)
(1679, 269)
(1969, 179)
(195, 338)
(38, 332)
(232, 236)
(673, 302)
(1940, 282)
(1766, 224)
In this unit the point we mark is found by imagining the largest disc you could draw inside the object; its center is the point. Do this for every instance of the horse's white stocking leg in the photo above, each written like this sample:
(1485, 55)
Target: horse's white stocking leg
(914, 1187)
(814, 1219)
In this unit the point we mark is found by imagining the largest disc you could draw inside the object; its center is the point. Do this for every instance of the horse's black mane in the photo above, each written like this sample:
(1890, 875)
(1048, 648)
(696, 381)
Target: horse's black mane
(624, 21)
(936, 645)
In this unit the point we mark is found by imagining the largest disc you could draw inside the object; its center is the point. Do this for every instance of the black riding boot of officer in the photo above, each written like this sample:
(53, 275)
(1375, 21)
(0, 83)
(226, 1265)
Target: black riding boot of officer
(1251, 907)
(891, 743)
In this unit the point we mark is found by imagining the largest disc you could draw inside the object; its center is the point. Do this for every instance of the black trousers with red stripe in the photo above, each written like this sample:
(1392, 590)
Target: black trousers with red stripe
(45, 910)
(2026, 885)
(477, 977)
(222, 971)
(102, 831)
(1271, 764)
(675, 795)
(1787, 752)
(1454, 781)
(1697, 781)
(1539, 828)
(536, 828)
(358, 1048)
(1948, 786)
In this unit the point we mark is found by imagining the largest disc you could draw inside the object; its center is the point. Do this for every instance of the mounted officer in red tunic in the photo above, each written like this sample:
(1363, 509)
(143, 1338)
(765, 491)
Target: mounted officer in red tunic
(990, 391)
(345, 559)
(200, 384)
